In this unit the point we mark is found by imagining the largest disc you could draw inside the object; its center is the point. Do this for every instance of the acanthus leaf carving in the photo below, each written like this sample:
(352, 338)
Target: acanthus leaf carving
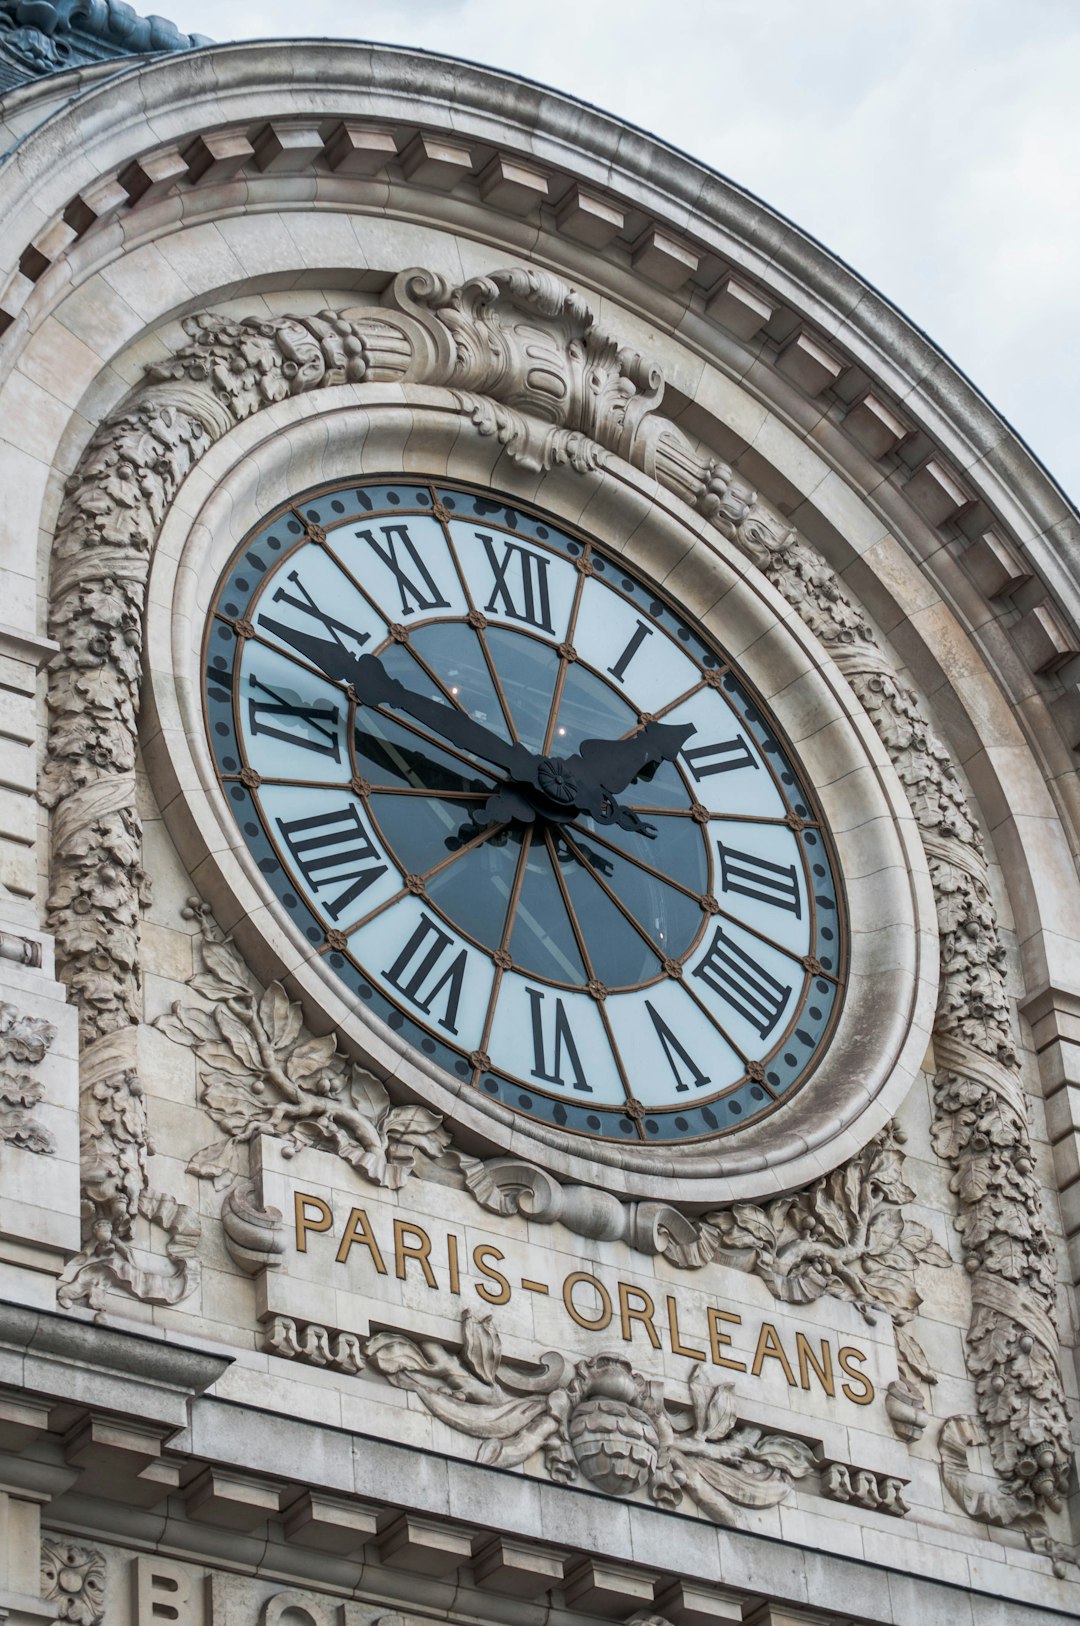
(262, 1071)
(24, 1041)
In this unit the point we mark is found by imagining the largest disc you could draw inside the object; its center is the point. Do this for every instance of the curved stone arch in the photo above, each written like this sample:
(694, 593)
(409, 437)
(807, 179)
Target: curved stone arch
(127, 478)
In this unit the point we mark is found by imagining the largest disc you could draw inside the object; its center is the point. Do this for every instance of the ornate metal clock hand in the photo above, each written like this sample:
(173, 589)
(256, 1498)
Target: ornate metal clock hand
(374, 686)
(603, 767)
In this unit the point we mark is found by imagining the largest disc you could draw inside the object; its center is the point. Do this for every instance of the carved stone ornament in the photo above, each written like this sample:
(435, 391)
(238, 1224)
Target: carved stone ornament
(261, 1071)
(526, 362)
(23, 1043)
(74, 1578)
(598, 1421)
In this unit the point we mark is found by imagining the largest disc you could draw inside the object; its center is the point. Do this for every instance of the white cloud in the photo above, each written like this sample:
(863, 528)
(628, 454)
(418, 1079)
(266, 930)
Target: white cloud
(933, 144)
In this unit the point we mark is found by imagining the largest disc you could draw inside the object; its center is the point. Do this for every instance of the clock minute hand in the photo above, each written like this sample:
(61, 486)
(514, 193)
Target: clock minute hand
(373, 685)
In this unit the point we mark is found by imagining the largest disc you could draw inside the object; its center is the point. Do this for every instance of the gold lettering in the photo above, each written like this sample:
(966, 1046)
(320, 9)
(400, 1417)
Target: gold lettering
(452, 1262)
(719, 1339)
(807, 1359)
(358, 1230)
(677, 1345)
(420, 1251)
(865, 1392)
(491, 1296)
(301, 1202)
(604, 1318)
(769, 1348)
(643, 1313)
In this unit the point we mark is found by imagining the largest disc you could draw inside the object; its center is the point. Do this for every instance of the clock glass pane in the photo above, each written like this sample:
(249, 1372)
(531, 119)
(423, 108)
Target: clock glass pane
(532, 818)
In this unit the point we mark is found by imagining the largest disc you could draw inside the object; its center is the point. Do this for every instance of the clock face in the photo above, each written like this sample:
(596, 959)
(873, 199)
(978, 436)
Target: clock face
(529, 816)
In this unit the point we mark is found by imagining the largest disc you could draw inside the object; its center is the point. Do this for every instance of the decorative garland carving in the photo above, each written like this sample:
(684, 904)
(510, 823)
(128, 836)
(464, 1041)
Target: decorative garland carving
(262, 1072)
(73, 1577)
(527, 362)
(23, 1039)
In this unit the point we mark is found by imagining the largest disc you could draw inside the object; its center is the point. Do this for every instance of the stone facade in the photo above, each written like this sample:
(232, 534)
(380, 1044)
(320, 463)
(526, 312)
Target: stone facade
(295, 1327)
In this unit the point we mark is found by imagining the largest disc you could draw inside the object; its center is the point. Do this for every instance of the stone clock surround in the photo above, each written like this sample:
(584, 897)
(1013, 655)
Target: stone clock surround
(367, 430)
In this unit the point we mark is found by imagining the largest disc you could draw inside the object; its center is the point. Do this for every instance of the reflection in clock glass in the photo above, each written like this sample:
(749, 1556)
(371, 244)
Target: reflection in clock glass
(561, 840)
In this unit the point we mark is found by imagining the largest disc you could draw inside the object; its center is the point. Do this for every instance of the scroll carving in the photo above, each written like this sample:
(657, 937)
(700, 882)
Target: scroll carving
(24, 1041)
(528, 364)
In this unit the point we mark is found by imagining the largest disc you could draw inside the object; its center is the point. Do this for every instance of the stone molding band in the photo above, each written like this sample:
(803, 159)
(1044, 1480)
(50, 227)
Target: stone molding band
(527, 365)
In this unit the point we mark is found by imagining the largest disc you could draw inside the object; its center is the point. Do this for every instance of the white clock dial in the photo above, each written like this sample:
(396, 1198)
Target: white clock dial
(533, 820)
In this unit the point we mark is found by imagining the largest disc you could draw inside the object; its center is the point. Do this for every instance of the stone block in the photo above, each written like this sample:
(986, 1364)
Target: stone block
(608, 1589)
(876, 427)
(739, 308)
(218, 156)
(94, 202)
(994, 564)
(286, 149)
(517, 1568)
(809, 363)
(230, 1500)
(151, 177)
(588, 218)
(1043, 639)
(21, 1423)
(663, 259)
(433, 161)
(686, 1604)
(329, 1523)
(937, 492)
(425, 1546)
(354, 150)
(511, 185)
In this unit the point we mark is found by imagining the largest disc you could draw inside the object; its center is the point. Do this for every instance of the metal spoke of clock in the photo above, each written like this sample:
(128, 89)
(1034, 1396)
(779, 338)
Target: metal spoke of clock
(484, 835)
(564, 659)
(475, 765)
(638, 863)
(504, 945)
(475, 613)
(631, 919)
(575, 927)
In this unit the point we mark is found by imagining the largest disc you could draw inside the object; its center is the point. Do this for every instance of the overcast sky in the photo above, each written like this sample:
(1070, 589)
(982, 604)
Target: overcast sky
(933, 144)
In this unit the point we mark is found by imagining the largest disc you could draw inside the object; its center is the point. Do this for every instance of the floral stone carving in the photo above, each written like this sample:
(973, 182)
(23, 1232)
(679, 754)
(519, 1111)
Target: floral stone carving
(261, 1071)
(591, 398)
(599, 1421)
(73, 1577)
(23, 1039)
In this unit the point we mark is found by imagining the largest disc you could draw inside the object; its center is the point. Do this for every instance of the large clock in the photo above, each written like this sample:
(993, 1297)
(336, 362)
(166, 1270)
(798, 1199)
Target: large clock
(529, 815)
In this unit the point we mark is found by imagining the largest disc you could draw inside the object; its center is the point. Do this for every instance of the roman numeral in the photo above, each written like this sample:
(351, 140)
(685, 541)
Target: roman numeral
(307, 605)
(521, 584)
(641, 632)
(723, 757)
(420, 585)
(334, 850)
(759, 878)
(751, 990)
(321, 718)
(423, 961)
(676, 1053)
(564, 1046)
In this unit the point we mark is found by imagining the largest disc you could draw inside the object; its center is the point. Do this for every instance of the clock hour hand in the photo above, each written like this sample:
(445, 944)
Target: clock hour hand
(614, 764)
(373, 685)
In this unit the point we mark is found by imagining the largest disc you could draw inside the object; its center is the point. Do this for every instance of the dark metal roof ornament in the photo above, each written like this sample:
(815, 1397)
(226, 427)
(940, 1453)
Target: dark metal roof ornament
(39, 37)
